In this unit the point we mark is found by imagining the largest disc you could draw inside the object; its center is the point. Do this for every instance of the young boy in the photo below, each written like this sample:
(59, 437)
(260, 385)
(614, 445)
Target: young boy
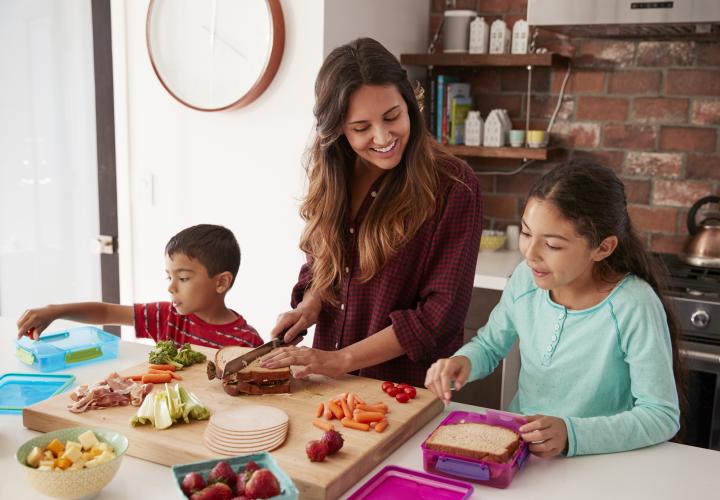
(201, 263)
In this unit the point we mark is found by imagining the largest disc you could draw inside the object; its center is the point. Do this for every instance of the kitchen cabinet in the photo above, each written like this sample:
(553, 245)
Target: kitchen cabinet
(462, 63)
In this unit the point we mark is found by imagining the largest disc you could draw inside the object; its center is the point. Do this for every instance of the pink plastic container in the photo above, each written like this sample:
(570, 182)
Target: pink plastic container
(478, 471)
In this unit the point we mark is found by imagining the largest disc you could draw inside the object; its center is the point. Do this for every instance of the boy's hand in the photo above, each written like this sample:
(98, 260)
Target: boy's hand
(34, 321)
(301, 318)
(547, 436)
(443, 372)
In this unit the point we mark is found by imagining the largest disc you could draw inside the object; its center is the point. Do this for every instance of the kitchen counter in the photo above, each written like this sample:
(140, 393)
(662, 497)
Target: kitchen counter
(667, 471)
(494, 268)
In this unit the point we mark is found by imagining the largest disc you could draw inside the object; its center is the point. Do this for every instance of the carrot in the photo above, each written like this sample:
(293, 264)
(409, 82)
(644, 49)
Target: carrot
(351, 400)
(321, 424)
(319, 410)
(335, 409)
(156, 378)
(358, 400)
(174, 375)
(136, 378)
(328, 414)
(355, 425)
(368, 416)
(345, 409)
(378, 407)
(167, 368)
(380, 426)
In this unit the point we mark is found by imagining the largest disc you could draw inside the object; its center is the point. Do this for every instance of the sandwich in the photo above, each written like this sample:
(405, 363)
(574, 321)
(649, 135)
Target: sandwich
(490, 443)
(253, 379)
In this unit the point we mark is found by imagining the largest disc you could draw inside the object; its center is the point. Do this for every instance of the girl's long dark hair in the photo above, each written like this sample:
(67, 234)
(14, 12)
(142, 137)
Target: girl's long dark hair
(593, 198)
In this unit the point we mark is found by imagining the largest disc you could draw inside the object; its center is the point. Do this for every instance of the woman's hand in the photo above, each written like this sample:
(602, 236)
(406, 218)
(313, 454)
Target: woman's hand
(446, 371)
(301, 318)
(329, 363)
(546, 436)
(34, 321)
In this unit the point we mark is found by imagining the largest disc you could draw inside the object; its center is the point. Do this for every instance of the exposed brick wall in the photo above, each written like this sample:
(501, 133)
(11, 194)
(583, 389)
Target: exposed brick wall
(648, 109)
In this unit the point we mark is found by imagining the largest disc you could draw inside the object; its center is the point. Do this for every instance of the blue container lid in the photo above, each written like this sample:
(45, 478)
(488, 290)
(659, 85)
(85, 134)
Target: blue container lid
(393, 482)
(18, 390)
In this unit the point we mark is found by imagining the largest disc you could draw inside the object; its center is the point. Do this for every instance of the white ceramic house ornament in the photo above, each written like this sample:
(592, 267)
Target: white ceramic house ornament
(473, 129)
(499, 37)
(494, 132)
(479, 36)
(520, 37)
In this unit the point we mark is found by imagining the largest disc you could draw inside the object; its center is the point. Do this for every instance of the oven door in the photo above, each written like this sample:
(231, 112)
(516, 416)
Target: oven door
(701, 368)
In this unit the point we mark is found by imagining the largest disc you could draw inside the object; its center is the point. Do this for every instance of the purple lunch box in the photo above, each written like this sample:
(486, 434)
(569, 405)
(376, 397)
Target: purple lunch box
(393, 483)
(497, 475)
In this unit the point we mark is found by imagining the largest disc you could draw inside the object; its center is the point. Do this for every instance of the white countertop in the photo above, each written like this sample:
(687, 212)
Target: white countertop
(667, 471)
(494, 268)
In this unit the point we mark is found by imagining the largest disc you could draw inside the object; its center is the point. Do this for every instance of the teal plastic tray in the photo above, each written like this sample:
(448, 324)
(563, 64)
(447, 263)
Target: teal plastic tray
(18, 390)
(68, 348)
(288, 491)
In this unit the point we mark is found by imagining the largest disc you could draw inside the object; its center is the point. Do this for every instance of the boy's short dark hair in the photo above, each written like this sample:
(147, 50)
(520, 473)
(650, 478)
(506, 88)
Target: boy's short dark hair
(215, 247)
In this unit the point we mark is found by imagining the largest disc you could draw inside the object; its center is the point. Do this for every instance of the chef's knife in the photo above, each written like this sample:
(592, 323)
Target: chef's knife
(241, 362)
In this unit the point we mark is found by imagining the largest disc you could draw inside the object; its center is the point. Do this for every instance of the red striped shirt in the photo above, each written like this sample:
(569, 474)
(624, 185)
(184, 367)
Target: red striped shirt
(161, 321)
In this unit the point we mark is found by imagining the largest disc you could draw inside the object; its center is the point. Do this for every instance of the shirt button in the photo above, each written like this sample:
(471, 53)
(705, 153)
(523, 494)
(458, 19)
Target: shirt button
(342, 307)
(352, 230)
(337, 345)
(561, 315)
(557, 327)
(549, 349)
(373, 194)
(347, 269)
(554, 338)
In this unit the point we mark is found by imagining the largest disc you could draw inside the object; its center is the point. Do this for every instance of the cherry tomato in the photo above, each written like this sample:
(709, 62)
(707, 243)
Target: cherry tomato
(402, 397)
(410, 391)
(403, 385)
(393, 391)
(387, 385)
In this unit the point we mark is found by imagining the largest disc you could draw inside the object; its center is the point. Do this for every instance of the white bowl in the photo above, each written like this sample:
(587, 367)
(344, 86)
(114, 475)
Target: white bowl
(73, 484)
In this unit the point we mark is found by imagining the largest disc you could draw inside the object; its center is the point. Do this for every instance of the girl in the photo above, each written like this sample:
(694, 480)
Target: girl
(596, 339)
(392, 229)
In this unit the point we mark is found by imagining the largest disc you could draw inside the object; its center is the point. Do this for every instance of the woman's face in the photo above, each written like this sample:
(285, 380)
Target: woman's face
(377, 125)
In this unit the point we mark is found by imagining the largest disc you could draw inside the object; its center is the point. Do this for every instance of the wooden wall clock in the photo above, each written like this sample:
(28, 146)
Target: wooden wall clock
(214, 55)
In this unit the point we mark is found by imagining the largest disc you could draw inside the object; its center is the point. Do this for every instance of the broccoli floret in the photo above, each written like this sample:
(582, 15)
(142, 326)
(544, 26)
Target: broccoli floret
(188, 357)
(163, 354)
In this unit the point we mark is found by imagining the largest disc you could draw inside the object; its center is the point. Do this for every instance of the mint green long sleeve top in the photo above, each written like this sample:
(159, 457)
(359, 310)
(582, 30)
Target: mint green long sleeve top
(606, 371)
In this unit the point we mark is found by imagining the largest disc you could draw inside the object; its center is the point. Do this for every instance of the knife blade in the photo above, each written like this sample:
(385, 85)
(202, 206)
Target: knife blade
(237, 364)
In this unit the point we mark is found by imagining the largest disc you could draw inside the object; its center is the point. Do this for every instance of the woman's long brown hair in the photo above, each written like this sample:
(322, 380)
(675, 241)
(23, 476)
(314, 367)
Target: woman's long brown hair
(408, 196)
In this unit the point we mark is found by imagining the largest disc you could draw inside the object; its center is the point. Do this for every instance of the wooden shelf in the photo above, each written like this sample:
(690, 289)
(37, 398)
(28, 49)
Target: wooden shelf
(547, 59)
(506, 152)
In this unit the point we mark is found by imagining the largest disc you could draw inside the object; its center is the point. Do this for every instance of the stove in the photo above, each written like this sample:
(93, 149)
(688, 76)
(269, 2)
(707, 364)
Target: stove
(694, 295)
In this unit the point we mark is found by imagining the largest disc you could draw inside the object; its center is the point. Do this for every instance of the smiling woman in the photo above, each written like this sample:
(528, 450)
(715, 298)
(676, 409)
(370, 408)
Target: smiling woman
(392, 231)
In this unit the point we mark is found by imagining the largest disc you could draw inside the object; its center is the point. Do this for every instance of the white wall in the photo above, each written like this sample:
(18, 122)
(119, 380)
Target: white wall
(238, 168)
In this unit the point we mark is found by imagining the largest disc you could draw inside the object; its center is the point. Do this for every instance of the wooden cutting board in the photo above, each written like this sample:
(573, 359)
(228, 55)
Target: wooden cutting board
(183, 443)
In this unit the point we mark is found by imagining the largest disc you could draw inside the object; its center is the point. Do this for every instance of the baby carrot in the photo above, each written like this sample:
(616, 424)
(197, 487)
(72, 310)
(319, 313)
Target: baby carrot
(328, 414)
(156, 378)
(380, 426)
(321, 424)
(174, 375)
(368, 416)
(136, 378)
(378, 407)
(168, 368)
(335, 409)
(319, 411)
(355, 425)
(345, 409)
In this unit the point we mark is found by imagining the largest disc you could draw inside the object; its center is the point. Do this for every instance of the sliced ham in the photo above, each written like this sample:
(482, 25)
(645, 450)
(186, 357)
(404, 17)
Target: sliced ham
(113, 391)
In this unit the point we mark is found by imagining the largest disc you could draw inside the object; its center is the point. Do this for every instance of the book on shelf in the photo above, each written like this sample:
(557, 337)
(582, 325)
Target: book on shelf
(441, 105)
(452, 90)
(458, 112)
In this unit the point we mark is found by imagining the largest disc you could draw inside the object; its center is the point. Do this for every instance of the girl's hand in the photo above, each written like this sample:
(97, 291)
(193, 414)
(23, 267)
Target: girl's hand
(547, 436)
(329, 363)
(443, 372)
(34, 321)
(301, 318)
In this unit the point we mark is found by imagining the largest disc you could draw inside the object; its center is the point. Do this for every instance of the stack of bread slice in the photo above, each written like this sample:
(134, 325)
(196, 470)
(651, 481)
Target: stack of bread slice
(253, 379)
(490, 443)
(247, 429)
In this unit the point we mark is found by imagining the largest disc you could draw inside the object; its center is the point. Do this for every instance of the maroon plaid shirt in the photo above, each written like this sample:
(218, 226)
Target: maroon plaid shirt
(423, 291)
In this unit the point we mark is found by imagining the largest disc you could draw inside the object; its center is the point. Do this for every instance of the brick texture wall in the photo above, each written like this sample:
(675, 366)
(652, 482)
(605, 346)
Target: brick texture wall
(648, 109)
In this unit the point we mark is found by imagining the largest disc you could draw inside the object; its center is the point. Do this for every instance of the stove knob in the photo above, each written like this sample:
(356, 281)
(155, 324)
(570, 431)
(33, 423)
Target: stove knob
(700, 318)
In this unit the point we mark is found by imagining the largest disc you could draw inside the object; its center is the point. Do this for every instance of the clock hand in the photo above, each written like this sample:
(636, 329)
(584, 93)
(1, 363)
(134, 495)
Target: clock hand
(214, 35)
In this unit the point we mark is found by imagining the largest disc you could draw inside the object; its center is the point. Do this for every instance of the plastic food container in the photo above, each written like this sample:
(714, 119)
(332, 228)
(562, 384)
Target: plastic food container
(65, 349)
(18, 390)
(288, 491)
(497, 475)
(393, 483)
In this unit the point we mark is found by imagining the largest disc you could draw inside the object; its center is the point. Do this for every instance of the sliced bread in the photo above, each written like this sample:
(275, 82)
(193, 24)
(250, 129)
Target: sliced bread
(481, 441)
(253, 372)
